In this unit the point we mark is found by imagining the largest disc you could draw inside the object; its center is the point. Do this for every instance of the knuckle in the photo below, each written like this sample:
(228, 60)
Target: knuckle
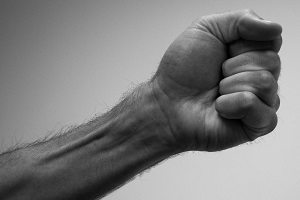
(273, 123)
(221, 87)
(243, 15)
(225, 68)
(266, 81)
(247, 100)
(277, 43)
(273, 59)
(277, 103)
(248, 11)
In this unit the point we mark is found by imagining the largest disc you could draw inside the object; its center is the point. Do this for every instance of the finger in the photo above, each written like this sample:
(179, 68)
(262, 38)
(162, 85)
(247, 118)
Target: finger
(253, 61)
(242, 46)
(258, 119)
(277, 103)
(242, 24)
(260, 83)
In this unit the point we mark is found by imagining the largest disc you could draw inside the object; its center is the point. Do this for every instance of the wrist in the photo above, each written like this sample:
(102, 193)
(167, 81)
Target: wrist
(176, 103)
(148, 123)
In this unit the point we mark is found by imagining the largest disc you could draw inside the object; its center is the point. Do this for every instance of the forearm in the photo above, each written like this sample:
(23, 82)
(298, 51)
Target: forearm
(92, 159)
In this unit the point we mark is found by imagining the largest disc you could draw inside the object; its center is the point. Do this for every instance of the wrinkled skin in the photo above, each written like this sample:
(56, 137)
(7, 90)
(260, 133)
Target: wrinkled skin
(217, 82)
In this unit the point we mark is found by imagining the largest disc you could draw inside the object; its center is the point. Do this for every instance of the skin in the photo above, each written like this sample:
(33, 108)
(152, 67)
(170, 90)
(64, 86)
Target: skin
(215, 88)
(221, 92)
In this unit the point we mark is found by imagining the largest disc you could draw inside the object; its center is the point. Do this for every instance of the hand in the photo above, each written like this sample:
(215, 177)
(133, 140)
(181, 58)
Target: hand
(217, 82)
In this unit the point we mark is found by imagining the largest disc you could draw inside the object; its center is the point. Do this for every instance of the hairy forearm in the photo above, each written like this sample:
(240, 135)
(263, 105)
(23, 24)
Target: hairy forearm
(92, 159)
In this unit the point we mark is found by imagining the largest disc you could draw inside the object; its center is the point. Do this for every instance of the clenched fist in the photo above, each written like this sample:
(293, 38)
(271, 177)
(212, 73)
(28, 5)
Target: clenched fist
(215, 88)
(217, 82)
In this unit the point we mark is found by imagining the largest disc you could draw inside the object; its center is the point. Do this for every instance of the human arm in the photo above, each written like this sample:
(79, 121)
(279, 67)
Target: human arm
(182, 108)
(92, 159)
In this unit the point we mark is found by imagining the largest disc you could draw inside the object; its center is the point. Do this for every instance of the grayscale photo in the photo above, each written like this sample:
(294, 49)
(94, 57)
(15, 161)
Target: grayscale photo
(143, 100)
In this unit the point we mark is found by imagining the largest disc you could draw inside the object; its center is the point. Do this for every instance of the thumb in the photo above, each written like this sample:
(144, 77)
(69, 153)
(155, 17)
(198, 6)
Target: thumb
(242, 24)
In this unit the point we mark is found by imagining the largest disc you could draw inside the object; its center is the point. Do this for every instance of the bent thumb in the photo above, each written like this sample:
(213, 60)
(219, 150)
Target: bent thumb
(242, 24)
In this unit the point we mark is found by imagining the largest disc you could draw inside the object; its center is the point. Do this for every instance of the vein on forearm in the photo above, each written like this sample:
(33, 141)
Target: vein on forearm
(96, 157)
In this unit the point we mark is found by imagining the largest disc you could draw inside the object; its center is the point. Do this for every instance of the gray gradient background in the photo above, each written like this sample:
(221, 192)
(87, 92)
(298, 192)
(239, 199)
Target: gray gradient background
(62, 62)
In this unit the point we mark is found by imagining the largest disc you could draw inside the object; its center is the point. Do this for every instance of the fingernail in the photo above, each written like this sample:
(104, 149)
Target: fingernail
(265, 20)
